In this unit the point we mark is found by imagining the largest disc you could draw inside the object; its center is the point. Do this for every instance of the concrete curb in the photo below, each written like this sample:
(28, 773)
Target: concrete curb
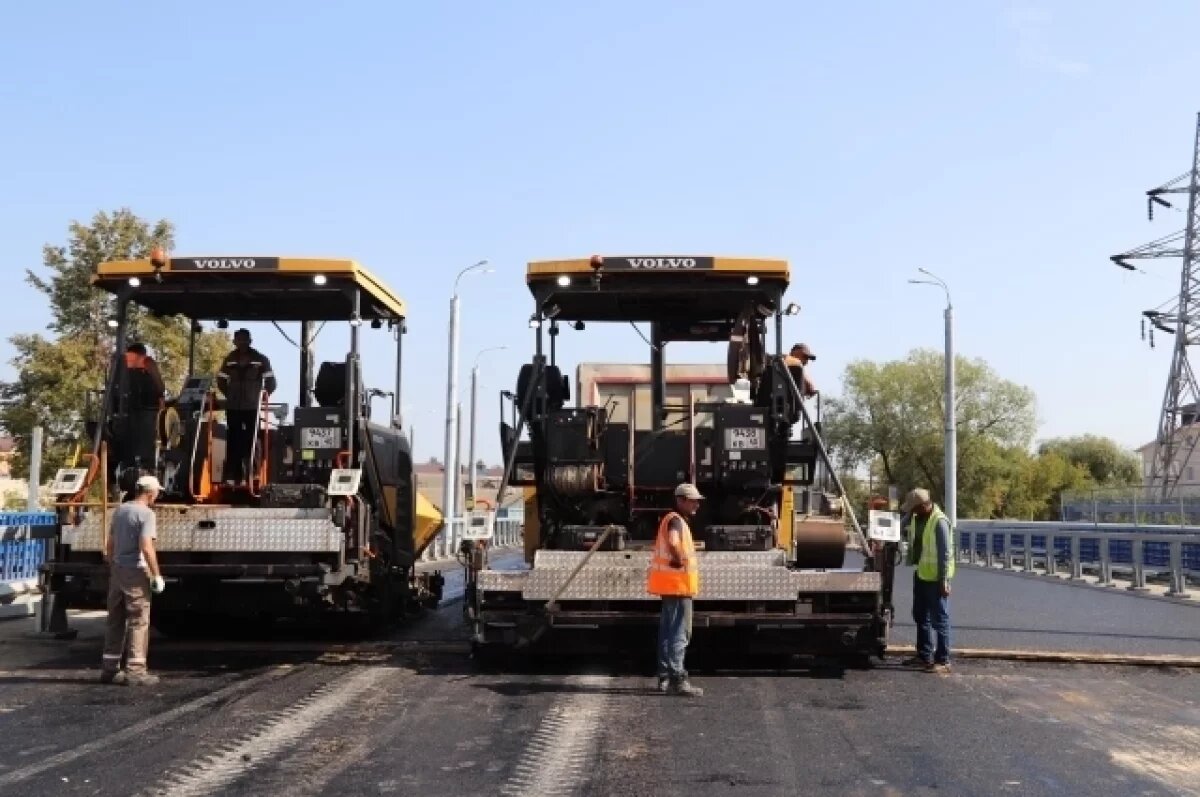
(19, 599)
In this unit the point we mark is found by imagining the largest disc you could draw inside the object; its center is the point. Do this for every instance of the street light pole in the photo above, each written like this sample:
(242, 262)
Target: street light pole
(474, 401)
(450, 482)
(458, 508)
(951, 430)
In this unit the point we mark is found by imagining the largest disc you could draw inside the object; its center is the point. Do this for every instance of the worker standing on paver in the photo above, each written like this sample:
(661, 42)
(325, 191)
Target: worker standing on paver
(675, 576)
(931, 553)
(243, 377)
(800, 356)
(133, 574)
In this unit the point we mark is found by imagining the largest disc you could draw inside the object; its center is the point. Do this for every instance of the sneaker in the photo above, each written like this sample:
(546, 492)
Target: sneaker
(117, 677)
(686, 689)
(940, 667)
(915, 661)
(664, 683)
(142, 679)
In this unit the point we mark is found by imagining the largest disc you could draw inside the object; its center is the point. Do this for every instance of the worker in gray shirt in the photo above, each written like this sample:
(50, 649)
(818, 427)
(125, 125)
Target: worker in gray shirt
(133, 575)
(931, 553)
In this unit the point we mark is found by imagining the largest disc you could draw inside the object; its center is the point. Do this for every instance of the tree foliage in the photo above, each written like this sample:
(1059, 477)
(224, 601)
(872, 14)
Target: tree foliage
(59, 377)
(1107, 463)
(891, 415)
(890, 420)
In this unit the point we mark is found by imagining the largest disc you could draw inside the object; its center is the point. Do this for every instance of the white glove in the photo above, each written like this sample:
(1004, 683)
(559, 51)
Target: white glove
(157, 584)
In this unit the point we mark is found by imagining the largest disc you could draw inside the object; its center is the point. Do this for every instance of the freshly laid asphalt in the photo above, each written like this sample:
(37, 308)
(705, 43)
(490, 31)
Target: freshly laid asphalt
(240, 720)
(998, 610)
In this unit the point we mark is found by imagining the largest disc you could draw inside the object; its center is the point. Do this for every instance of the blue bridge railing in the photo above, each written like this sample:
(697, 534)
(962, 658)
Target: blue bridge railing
(1174, 550)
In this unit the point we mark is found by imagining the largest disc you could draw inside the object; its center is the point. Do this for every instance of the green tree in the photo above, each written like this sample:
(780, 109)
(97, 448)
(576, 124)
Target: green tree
(59, 378)
(1032, 488)
(891, 414)
(1107, 462)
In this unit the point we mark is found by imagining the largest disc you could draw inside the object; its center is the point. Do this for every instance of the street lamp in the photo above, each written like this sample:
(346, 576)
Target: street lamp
(474, 399)
(951, 423)
(450, 483)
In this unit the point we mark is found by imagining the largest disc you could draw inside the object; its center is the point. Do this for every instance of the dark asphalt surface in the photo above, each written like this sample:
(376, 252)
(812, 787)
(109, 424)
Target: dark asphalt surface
(261, 721)
(998, 610)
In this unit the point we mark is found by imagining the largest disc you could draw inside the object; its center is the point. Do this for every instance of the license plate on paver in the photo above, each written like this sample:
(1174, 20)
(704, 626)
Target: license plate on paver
(745, 437)
(321, 437)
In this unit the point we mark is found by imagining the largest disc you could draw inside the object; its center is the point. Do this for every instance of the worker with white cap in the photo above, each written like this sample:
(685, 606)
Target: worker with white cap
(133, 574)
(931, 554)
(675, 576)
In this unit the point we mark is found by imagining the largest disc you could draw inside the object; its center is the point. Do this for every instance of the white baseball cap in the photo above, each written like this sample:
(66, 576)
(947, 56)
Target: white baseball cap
(686, 490)
(149, 483)
(915, 499)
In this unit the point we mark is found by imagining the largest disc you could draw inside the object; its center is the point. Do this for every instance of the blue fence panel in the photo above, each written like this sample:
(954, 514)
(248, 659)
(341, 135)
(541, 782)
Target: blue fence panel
(25, 540)
(19, 561)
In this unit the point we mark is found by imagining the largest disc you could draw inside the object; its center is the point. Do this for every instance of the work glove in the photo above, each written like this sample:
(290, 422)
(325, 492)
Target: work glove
(157, 585)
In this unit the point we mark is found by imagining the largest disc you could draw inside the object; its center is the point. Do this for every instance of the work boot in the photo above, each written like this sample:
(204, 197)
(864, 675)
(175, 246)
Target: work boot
(664, 683)
(142, 679)
(117, 677)
(686, 689)
(941, 667)
(916, 661)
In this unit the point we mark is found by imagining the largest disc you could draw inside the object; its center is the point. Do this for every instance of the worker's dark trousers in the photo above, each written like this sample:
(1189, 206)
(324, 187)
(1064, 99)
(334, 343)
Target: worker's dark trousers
(128, 631)
(931, 613)
(240, 435)
(674, 634)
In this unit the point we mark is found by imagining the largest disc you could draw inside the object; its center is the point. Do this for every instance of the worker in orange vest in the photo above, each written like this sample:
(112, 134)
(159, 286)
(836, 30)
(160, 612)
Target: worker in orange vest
(675, 576)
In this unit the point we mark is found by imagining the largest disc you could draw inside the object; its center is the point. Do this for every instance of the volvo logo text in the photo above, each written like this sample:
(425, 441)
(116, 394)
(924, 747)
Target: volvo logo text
(226, 263)
(662, 262)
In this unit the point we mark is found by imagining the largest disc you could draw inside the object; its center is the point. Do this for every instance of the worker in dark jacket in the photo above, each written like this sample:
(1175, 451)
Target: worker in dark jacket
(243, 377)
(135, 411)
(931, 554)
(799, 358)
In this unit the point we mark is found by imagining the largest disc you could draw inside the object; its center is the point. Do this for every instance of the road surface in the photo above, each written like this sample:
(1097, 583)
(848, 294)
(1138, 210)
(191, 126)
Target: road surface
(413, 716)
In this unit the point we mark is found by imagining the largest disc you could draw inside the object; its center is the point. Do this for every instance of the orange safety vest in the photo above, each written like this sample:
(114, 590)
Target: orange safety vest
(662, 578)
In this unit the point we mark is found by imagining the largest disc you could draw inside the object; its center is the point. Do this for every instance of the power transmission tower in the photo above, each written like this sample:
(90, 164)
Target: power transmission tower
(1179, 317)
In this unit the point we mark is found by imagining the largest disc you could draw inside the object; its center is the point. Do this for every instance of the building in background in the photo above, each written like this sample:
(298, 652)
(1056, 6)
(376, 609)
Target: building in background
(429, 481)
(1187, 456)
(8, 447)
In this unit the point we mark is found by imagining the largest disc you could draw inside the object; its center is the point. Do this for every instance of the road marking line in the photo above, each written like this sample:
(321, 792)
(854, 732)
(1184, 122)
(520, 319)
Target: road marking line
(558, 752)
(138, 729)
(212, 772)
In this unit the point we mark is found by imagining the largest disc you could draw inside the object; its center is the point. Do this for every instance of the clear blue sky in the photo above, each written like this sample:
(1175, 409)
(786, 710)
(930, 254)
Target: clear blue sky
(1005, 147)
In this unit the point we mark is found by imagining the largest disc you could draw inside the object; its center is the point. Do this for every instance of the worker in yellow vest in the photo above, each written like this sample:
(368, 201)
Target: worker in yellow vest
(674, 575)
(931, 553)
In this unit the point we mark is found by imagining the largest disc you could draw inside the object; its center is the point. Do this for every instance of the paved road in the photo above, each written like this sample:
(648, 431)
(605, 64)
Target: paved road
(993, 609)
(408, 721)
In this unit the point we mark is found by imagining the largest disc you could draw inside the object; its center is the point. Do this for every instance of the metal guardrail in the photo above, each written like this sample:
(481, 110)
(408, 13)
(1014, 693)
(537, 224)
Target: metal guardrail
(507, 533)
(1136, 505)
(1100, 548)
